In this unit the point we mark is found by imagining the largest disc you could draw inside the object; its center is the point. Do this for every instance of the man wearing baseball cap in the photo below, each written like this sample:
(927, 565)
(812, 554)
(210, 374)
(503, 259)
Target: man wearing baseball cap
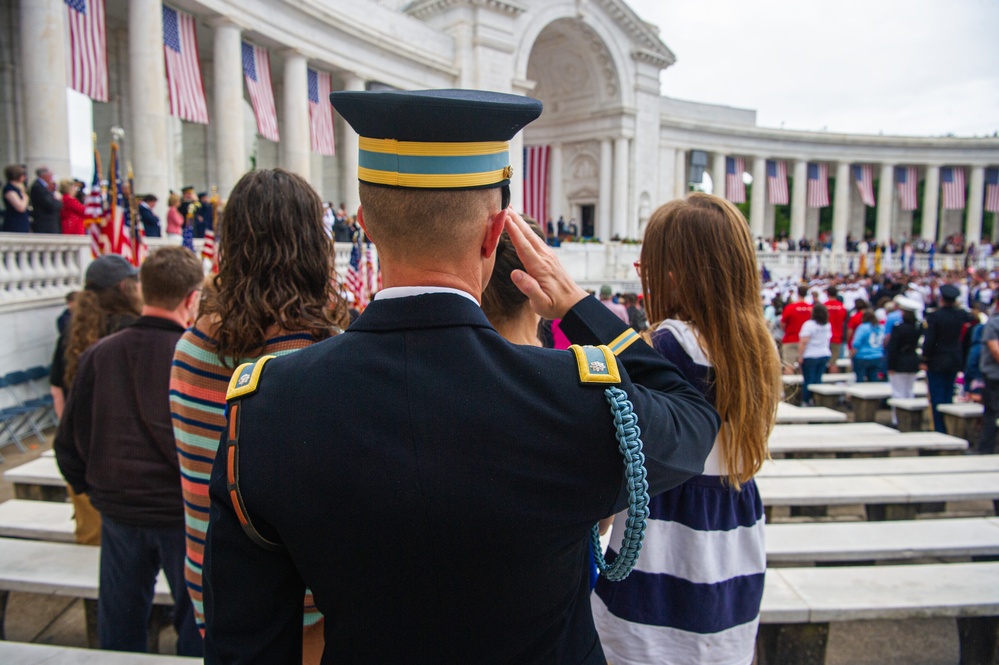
(448, 520)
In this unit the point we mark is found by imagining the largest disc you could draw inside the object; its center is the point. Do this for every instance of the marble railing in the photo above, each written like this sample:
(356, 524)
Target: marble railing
(39, 269)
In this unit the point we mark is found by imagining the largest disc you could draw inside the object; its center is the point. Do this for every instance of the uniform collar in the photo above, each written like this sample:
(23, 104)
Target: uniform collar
(434, 309)
(408, 291)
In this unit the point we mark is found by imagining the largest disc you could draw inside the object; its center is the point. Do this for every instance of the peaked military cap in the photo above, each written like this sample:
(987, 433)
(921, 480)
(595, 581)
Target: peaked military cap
(435, 139)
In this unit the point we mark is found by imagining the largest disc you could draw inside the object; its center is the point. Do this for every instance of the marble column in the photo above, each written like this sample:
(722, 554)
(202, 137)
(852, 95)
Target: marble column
(758, 199)
(886, 203)
(296, 143)
(230, 137)
(620, 194)
(799, 199)
(43, 77)
(603, 225)
(931, 201)
(841, 207)
(718, 174)
(976, 200)
(556, 197)
(680, 174)
(148, 99)
(349, 152)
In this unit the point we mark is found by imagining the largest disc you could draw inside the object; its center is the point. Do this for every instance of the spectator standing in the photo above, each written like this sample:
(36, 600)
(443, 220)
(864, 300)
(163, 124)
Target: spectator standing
(902, 353)
(175, 220)
(942, 356)
(813, 349)
(150, 221)
(989, 365)
(792, 318)
(203, 216)
(607, 300)
(71, 214)
(45, 202)
(868, 348)
(698, 272)
(837, 320)
(273, 295)
(506, 307)
(636, 315)
(115, 444)
(16, 218)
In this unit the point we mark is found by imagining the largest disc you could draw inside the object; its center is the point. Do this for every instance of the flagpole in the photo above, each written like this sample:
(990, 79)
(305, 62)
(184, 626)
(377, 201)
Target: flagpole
(134, 215)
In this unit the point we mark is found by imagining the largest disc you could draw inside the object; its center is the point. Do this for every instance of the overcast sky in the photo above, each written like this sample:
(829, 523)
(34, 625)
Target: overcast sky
(909, 67)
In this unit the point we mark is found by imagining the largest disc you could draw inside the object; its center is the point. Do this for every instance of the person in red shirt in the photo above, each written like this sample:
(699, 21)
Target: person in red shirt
(791, 319)
(855, 320)
(71, 215)
(837, 318)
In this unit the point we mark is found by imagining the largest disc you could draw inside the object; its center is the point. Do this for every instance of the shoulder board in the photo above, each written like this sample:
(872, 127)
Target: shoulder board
(596, 364)
(245, 379)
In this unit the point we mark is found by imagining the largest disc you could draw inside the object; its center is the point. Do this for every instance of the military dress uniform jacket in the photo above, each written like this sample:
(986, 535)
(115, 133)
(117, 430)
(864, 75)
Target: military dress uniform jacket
(444, 515)
(942, 341)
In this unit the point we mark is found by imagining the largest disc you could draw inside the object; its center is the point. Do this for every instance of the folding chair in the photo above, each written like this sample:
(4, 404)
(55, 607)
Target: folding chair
(11, 420)
(31, 405)
(38, 379)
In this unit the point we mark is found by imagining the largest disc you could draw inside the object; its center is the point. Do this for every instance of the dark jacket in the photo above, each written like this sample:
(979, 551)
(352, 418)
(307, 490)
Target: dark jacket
(942, 342)
(44, 208)
(115, 441)
(448, 521)
(150, 222)
(901, 351)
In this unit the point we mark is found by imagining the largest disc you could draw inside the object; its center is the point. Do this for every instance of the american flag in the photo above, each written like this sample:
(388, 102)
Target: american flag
(906, 178)
(953, 187)
(777, 182)
(115, 241)
(88, 51)
(209, 250)
(257, 72)
(818, 185)
(863, 175)
(183, 67)
(93, 209)
(536, 182)
(354, 279)
(372, 274)
(735, 186)
(992, 189)
(137, 232)
(321, 113)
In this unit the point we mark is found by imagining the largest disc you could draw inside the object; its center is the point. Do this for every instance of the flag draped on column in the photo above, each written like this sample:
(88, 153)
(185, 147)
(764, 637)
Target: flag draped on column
(777, 182)
(536, 182)
(257, 72)
(818, 186)
(863, 175)
(992, 189)
(321, 113)
(183, 67)
(952, 180)
(907, 178)
(87, 65)
(735, 186)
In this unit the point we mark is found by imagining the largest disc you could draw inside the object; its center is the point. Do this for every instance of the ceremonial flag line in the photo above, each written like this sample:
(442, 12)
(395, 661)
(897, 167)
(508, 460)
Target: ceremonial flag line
(321, 113)
(735, 186)
(257, 72)
(863, 175)
(87, 57)
(183, 67)
(777, 182)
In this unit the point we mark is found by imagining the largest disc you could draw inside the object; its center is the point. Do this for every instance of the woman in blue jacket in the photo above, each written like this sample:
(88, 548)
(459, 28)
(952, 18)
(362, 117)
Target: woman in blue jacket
(868, 348)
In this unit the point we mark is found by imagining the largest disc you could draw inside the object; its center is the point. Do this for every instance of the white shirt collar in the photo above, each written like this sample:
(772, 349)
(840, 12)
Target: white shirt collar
(408, 291)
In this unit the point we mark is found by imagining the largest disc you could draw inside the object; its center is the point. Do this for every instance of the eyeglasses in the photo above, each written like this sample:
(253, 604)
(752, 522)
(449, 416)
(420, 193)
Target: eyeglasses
(638, 268)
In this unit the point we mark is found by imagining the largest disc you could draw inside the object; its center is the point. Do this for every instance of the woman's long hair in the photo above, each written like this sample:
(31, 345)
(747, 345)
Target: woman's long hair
(698, 265)
(275, 266)
(97, 314)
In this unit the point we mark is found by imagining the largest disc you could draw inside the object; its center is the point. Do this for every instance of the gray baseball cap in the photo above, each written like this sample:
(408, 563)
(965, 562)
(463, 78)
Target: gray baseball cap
(106, 271)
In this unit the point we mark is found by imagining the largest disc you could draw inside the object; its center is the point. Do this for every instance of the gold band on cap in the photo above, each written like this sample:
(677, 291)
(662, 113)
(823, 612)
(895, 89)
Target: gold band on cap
(432, 149)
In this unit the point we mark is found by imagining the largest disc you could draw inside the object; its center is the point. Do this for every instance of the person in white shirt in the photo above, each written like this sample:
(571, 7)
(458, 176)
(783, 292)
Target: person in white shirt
(814, 352)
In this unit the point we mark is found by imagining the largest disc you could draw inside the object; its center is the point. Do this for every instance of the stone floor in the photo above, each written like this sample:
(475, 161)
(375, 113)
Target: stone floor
(54, 620)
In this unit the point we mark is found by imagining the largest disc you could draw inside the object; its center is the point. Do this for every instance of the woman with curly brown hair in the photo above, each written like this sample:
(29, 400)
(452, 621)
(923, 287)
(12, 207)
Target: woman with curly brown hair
(274, 294)
(695, 595)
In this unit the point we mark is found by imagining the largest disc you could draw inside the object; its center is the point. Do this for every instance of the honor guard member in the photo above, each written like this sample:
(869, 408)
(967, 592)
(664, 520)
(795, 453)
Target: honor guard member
(444, 516)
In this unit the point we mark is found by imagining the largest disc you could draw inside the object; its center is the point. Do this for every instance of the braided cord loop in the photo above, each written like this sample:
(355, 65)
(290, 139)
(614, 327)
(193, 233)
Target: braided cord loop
(630, 444)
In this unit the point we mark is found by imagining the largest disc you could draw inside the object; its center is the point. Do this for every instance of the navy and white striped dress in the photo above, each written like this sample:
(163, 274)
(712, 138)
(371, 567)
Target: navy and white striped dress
(694, 596)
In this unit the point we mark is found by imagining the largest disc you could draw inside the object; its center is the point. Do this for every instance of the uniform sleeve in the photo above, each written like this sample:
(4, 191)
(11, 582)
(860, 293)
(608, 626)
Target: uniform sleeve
(253, 597)
(678, 424)
(929, 340)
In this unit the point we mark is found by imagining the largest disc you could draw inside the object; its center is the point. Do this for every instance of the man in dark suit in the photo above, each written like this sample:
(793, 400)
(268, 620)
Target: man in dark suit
(45, 203)
(150, 222)
(448, 519)
(203, 217)
(942, 357)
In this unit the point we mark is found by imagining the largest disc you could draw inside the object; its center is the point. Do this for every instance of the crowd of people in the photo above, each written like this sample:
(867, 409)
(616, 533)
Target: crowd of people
(210, 426)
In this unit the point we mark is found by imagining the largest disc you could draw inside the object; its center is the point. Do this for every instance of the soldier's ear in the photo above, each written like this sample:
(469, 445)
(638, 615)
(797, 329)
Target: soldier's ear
(494, 229)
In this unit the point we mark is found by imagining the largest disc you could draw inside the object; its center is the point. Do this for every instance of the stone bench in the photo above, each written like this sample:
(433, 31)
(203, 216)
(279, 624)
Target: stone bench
(879, 466)
(827, 395)
(867, 397)
(792, 383)
(38, 480)
(37, 520)
(882, 541)
(962, 418)
(789, 413)
(826, 430)
(799, 603)
(888, 497)
(910, 412)
(16, 653)
(873, 444)
(62, 569)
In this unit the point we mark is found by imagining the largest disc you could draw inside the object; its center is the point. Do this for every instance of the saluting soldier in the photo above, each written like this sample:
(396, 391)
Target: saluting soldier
(446, 520)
